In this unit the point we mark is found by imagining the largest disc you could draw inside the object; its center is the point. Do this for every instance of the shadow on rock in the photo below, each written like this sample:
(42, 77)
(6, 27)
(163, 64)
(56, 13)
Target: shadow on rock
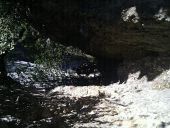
(26, 107)
(151, 67)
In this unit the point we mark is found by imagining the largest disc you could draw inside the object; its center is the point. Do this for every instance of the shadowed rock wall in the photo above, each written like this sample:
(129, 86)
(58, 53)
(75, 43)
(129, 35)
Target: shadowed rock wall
(110, 28)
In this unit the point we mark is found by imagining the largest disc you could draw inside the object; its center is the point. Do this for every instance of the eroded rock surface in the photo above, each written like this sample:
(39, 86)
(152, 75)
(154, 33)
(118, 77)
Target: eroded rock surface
(135, 103)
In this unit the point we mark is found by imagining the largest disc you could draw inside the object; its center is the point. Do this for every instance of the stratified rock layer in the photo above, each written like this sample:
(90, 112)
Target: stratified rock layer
(110, 28)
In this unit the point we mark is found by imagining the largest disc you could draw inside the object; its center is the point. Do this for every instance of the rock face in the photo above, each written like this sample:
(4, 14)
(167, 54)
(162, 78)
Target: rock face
(110, 28)
(64, 66)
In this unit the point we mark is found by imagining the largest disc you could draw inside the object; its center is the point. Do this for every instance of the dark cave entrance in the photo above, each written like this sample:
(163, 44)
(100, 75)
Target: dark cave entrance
(108, 69)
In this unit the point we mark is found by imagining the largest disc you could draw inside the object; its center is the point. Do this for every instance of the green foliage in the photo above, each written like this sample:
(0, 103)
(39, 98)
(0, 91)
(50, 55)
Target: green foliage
(9, 27)
(15, 29)
(48, 52)
(41, 49)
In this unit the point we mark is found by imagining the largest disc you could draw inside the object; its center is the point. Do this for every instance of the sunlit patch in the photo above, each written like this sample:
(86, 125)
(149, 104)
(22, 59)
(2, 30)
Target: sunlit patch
(39, 76)
(9, 118)
(162, 15)
(131, 15)
(94, 75)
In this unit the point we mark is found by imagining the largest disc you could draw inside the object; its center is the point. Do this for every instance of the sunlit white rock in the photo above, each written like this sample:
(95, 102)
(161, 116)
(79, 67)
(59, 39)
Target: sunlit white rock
(130, 14)
(9, 118)
(91, 75)
(167, 19)
(49, 120)
(94, 75)
(162, 15)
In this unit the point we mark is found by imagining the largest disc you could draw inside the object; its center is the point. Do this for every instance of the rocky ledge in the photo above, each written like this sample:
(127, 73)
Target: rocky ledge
(110, 28)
